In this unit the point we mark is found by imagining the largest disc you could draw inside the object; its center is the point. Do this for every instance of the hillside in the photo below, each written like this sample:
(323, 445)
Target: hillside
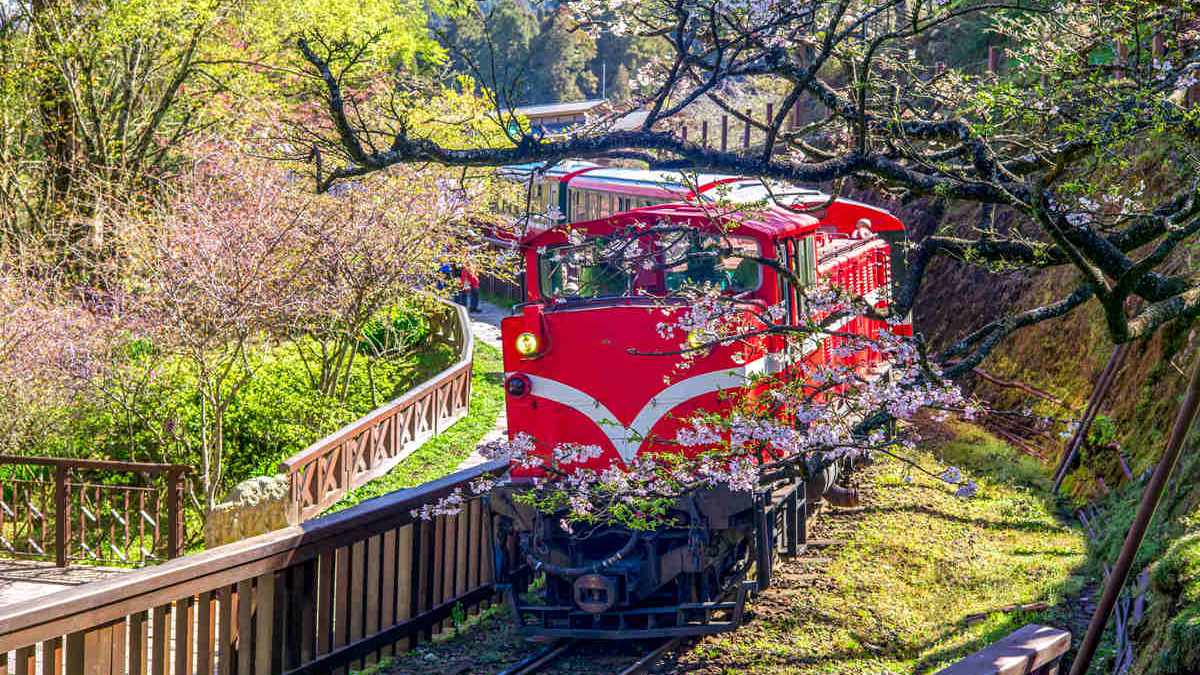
(1065, 357)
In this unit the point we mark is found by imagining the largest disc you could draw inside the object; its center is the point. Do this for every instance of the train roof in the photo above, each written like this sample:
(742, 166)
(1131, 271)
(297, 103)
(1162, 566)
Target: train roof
(662, 184)
(556, 170)
(772, 221)
(676, 188)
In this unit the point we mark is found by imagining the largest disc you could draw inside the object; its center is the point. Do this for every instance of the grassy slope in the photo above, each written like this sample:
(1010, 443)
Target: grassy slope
(441, 454)
(915, 562)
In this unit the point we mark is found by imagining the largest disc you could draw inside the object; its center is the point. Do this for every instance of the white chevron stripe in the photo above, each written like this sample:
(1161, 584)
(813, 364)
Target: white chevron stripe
(627, 440)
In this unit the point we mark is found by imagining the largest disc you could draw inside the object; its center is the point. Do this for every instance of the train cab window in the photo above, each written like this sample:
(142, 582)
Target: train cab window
(606, 267)
(801, 258)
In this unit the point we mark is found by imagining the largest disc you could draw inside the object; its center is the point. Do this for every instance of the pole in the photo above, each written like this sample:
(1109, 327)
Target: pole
(1137, 530)
(62, 519)
(174, 513)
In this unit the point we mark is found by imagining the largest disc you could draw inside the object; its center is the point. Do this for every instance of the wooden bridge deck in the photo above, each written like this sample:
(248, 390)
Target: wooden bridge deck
(22, 580)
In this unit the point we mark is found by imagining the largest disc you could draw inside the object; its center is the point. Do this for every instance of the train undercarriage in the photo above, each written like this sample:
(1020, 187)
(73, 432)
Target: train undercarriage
(691, 578)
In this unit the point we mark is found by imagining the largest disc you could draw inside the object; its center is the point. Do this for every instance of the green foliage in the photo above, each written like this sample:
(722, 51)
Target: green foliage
(912, 567)
(398, 329)
(152, 413)
(527, 55)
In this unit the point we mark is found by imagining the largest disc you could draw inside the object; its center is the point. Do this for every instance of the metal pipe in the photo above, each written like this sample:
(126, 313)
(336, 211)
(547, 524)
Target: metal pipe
(1137, 531)
(593, 568)
(843, 497)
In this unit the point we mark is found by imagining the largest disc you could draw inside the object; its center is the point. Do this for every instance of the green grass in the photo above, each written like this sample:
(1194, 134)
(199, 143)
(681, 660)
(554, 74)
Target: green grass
(914, 564)
(443, 453)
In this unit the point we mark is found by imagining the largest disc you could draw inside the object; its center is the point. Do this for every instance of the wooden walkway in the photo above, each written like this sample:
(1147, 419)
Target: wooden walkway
(26, 579)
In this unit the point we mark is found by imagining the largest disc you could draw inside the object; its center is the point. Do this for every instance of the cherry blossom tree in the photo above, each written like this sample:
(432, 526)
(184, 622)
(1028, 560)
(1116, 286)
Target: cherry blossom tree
(373, 246)
(219, 265)
(1083, 88)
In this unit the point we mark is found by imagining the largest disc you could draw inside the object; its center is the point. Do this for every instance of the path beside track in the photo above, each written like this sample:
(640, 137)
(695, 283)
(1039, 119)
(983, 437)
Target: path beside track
(485, 326)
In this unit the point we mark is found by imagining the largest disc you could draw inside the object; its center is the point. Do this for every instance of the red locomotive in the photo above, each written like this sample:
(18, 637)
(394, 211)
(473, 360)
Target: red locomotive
(577, 371)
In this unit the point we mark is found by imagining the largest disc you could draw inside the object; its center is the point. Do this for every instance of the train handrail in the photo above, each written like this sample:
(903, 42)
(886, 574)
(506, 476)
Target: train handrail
(327, 470)
(210, 576)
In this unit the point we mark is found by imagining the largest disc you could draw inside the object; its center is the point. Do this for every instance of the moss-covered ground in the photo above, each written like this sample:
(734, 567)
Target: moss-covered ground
(893, 596)
(443, 453)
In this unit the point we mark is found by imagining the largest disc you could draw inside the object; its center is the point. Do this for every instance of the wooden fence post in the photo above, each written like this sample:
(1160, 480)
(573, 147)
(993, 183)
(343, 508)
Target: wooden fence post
(1157, 46)
(1122, 60)
(62, 520)
(746, 130)
(704, 134)
(724, 133)
(683, 134)
(174, 512)
(993, 59)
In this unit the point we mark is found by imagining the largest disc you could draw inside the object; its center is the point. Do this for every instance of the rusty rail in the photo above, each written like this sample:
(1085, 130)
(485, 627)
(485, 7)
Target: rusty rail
(333, 593)
(68, 510)
(370, 446)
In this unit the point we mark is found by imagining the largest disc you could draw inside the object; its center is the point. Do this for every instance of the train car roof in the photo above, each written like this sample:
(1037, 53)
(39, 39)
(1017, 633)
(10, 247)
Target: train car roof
(558, 169)
(774, 221)
(664, 184)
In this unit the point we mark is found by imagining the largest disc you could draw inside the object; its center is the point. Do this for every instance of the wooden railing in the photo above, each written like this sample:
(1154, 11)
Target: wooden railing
(369, 447)
(94, 511)
(334, 593)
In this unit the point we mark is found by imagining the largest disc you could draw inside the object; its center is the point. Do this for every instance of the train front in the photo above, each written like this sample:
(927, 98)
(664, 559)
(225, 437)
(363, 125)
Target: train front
(589, 363)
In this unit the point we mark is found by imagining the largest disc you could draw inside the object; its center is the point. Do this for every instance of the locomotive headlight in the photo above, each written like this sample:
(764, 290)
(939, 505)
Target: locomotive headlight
(695, 340)
(527, 344)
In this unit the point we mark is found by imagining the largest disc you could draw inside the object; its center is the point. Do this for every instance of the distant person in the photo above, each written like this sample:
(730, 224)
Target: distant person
(446, 272)
(470, 284)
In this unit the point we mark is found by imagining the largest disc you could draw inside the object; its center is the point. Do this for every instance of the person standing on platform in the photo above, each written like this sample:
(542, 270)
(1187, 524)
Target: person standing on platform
(470, 283)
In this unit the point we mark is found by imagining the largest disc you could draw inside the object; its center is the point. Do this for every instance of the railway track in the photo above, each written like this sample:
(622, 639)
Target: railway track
(544, 657)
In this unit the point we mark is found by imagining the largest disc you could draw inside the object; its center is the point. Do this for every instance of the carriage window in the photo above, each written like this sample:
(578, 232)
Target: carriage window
(584, 271)
(697, 261)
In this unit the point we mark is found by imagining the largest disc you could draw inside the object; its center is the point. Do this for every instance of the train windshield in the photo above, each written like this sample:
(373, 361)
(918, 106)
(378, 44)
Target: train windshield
(611, 267)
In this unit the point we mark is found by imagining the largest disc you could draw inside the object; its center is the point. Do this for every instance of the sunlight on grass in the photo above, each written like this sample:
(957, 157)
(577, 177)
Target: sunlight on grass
(914, 564)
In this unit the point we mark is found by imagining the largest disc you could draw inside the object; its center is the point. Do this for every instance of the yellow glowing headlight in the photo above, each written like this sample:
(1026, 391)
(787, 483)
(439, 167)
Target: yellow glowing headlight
(527, 344)
(695, 339)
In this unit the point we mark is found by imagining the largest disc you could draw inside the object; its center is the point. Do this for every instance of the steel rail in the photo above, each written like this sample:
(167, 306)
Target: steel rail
(646, 662)
(539, 659)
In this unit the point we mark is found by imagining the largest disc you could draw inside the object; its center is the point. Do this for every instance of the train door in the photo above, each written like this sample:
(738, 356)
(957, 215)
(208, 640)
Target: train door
(799, 255)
